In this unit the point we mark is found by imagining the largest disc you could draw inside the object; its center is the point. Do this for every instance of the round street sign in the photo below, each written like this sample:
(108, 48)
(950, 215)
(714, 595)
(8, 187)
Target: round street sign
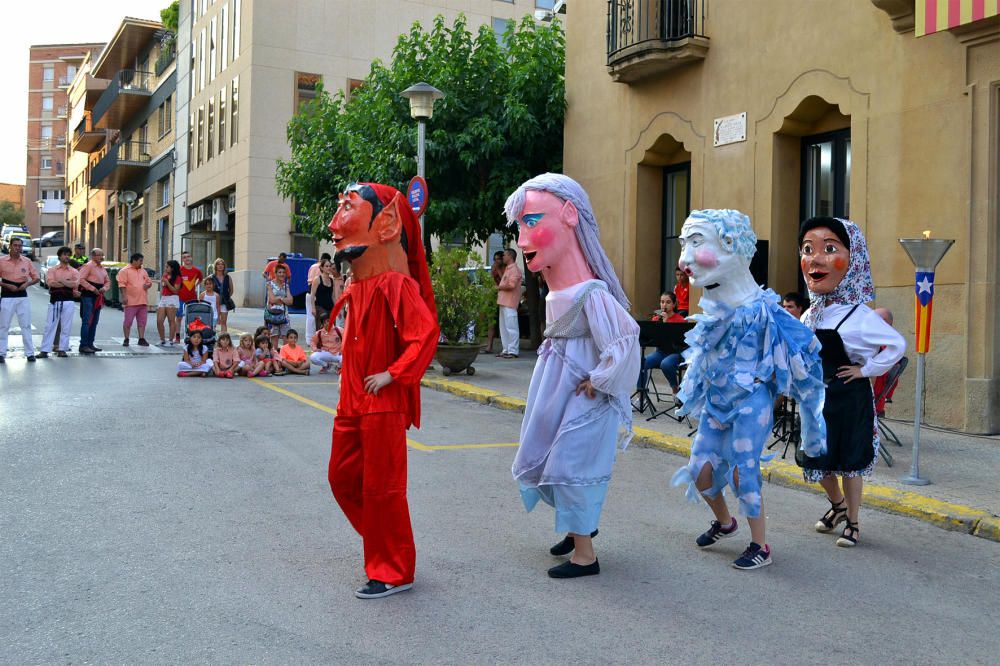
(416, 194)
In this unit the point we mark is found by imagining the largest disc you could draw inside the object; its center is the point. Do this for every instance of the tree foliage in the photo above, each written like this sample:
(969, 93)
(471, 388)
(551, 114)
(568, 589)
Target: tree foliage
(169, 16)
(499, 124)
(10, 214)
(464, 298)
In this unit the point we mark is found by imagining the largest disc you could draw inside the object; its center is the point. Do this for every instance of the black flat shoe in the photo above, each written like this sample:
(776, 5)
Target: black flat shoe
(570, 570)
(566, 546)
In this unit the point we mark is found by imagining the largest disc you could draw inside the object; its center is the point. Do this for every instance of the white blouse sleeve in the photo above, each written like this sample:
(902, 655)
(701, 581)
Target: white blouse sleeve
(616, 335)
(874, 344)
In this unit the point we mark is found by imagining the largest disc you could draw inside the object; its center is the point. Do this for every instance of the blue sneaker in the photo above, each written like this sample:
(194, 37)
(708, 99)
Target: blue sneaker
(716, 532)
(754, 557)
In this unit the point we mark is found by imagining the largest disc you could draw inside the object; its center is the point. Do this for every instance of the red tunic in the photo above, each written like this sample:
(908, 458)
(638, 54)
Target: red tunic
(389, 327)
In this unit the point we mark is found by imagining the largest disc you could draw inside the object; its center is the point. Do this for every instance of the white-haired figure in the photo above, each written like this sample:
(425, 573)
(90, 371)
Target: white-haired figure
(744, 350)
(578, 406)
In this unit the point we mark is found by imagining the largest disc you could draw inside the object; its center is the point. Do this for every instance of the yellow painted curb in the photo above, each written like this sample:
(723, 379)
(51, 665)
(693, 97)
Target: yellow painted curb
(988, 528)
(944, 515)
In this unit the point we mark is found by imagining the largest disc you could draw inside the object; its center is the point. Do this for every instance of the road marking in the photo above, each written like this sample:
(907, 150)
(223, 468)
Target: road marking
(410, 442)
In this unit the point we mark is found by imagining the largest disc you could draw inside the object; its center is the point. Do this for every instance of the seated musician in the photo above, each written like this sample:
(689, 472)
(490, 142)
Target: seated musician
(667, 360)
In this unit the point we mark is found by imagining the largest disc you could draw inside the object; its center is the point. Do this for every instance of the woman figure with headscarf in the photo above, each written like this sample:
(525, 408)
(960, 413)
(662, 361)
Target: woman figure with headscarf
(857, 345)
(578, 403)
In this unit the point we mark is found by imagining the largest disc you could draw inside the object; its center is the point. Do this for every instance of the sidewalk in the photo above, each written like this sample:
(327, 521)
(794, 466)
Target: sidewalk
(962, 497)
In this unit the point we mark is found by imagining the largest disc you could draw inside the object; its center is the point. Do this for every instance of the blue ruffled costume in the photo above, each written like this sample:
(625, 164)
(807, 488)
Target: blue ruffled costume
(738, 360)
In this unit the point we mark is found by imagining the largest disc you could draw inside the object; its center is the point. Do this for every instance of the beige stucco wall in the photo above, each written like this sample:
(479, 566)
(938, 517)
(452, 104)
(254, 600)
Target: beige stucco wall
(922, 149)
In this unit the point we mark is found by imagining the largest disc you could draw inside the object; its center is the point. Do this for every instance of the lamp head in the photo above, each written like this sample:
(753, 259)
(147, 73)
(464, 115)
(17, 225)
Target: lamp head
(422, 97)
(129, 197)
(926, 253)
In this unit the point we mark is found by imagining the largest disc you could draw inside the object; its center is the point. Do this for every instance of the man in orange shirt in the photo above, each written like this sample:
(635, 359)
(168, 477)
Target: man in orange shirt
(272, 266)
(134, 282)
(94, 283)
(64, 282)
(508, 298)
(17, 273)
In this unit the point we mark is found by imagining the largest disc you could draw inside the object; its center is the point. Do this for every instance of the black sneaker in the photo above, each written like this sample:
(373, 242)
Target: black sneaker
(96, 349)
(2, 360)
(754, 557)
(143, 343)
(61, 354)
(570, 570)
(42, 355)
(716, 532)
(376, 589)
(31, 359)
(125, 342)
(566, 546)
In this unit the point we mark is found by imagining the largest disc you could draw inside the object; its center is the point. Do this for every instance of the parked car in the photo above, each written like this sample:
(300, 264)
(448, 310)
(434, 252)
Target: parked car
(43, 271)
(8, 228)
(26, 248)
(51, 239)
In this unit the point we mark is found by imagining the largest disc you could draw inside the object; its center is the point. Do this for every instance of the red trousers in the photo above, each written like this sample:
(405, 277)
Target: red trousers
(368, 479)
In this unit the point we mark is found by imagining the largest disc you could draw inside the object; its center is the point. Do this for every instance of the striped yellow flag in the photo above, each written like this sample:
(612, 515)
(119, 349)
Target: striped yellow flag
(936, 15)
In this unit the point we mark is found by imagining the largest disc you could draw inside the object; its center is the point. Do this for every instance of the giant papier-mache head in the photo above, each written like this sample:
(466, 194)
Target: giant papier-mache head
(716, 246)
(557, 222)
(377, 231)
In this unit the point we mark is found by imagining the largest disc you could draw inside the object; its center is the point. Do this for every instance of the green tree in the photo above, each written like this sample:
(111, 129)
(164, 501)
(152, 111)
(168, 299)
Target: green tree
(169, 16)
(499, 124)
(10, 214)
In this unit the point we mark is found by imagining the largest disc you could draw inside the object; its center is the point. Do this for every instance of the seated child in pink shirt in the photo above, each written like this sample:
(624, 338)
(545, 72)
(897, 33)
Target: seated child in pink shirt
(249, 365)
(225, 360)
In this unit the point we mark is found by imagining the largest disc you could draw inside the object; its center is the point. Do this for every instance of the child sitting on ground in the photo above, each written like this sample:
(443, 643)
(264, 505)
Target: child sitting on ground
(196, 362)
(224, 357)
(326, 347)
(266, 356)
(248, 366)
(291, 356)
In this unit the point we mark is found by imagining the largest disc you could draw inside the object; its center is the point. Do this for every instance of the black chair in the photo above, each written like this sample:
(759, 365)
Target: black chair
(660, 335)
(891, 380)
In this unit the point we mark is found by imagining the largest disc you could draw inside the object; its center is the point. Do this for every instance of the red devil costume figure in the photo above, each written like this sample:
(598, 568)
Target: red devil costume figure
(389, 339)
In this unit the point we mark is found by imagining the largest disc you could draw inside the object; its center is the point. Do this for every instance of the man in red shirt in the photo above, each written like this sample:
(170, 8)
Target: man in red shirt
(682, 292)
(191, 277)
(389, 339)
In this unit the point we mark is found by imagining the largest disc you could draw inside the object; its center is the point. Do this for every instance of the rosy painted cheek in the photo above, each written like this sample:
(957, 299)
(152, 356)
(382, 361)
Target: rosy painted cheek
(542, 237)
(803, 264)
(839, 263)
(706, 258)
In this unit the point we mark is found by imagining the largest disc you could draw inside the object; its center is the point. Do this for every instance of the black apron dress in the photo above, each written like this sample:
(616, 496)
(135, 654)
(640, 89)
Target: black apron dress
(849, 411)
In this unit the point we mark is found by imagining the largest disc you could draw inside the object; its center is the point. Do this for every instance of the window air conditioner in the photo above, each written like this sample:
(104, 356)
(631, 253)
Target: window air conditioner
(220, 214)
(232, 202)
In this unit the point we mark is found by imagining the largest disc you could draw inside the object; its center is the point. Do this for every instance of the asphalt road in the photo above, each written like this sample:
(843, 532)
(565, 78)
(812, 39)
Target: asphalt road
(150, 519)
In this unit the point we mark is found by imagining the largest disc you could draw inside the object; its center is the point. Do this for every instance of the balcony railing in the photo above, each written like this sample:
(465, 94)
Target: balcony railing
(87, 139)
(120, 165)
(124, 95)
(650, 36)
(168, 52)
(65, 80)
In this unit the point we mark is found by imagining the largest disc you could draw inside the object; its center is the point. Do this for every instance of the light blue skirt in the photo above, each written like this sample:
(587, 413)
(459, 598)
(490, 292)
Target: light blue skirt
(578, 508)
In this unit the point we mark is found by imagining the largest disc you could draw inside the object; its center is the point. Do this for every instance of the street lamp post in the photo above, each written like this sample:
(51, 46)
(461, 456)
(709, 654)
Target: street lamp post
(31, 244)
(129, 197)
(422, 97)
(925, 253)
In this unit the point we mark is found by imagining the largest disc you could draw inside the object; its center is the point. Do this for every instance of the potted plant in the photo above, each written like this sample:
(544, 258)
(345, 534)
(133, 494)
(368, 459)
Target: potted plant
(466, 297)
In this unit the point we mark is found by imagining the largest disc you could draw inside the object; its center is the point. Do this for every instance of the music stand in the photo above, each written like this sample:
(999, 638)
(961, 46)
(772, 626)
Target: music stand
(787, 426)
(662, 335)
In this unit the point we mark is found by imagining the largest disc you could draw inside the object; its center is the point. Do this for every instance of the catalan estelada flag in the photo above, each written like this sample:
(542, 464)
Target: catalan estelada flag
(935, 15)
(925, 305)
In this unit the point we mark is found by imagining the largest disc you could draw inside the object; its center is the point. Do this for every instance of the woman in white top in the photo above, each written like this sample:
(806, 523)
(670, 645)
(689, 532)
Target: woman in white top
(857, 345)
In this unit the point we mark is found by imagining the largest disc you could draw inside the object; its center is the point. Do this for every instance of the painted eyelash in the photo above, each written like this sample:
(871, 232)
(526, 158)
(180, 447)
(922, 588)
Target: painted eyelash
(532, 219)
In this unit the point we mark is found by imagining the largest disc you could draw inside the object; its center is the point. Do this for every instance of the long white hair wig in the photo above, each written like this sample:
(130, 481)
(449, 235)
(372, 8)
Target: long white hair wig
(587, 232)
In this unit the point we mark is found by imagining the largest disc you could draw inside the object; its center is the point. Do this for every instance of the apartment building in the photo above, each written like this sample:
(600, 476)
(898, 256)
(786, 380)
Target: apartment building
(244, 67)
(12, 193)
(122, 147)
(51, 68)
(883, 111)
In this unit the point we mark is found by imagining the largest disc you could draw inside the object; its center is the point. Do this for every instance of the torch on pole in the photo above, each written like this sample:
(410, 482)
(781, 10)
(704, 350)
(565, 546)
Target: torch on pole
(925, 253)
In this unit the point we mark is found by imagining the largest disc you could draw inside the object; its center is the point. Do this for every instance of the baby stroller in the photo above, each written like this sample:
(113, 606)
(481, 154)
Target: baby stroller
(198, 316)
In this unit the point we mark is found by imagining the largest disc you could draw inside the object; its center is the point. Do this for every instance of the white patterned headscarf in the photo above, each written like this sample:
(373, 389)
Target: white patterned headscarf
(587, 232)
(855, 288)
